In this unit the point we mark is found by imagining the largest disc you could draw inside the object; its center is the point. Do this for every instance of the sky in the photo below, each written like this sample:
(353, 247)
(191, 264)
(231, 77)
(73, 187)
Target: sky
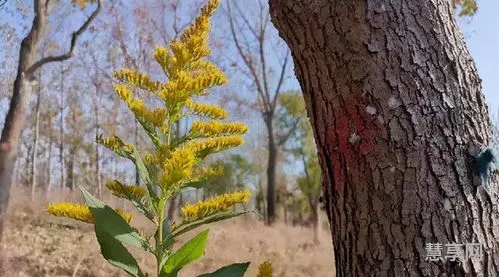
(482, 38)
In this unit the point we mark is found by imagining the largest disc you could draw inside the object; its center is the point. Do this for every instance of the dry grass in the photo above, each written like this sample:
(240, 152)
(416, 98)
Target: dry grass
(37, 244)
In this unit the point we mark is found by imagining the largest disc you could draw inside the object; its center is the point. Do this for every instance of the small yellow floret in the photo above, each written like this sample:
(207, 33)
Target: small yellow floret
(218, 204)
(79, 212)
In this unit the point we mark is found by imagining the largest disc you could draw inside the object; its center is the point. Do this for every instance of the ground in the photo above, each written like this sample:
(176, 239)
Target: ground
(40, 245)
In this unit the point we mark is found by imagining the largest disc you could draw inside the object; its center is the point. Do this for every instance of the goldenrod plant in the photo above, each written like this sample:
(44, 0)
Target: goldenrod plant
(174, 164)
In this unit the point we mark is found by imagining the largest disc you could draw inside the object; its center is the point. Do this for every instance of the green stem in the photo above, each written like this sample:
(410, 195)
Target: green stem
(159, 236)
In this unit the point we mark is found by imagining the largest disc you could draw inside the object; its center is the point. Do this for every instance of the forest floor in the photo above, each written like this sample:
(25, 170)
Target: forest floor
(39, 245)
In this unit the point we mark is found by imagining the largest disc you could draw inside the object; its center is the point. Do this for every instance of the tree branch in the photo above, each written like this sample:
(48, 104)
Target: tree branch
(283, 139)
(74, 39)
(281, 80)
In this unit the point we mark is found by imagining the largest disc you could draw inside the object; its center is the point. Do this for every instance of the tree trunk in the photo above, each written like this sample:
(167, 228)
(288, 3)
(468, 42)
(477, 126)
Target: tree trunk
(70, 168)
(49, 157)
(397, 110)
(61, 112)
(35, 143)
(172, 208)
(97, 153)
(16, 116)
(314, 218)
(271, 168)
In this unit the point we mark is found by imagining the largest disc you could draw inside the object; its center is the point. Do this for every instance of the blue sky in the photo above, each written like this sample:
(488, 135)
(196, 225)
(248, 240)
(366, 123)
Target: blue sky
(482, 37)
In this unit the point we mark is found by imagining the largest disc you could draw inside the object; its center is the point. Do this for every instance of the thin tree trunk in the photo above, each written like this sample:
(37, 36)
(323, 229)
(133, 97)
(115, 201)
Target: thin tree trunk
(397, 77)
(49, 157)
(34, 160)
(27, 164)
(314, 218)
(61, 112)
(97, 153)
(172, 208)
(271, 169)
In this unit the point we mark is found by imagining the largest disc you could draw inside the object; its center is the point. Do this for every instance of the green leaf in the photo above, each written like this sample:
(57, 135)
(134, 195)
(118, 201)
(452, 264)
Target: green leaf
(233, 270)
(186, 227)
(109, 222)
(116, 254)
(190, 251)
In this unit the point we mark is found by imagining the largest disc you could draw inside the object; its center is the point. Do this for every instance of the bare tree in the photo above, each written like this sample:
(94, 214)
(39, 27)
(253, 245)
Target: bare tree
(22, 90)
(253, 41)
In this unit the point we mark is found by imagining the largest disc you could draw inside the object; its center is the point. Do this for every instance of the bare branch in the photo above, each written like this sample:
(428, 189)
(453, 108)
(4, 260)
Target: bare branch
(248, 63)
(246, 21)
(74, 39)
(281, 80)
(283, 139)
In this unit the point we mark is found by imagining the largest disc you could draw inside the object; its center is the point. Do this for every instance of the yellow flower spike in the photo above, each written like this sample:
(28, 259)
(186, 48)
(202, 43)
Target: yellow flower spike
(215, 128)
(221, 203)
(177, 168)
(208, 110)
(265, 269)
(116, 144)
(126, 191)
(213, 145)
(71, 210)
(205, 173)
(79, 212)
(137, 79)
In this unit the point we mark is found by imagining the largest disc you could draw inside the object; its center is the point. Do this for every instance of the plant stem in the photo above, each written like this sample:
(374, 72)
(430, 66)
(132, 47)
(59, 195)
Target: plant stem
(159, 236)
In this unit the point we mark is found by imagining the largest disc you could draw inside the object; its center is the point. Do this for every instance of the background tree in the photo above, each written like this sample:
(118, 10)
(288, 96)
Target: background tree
(398, 114)
(22, 89)
(302, 147)
(264, 60)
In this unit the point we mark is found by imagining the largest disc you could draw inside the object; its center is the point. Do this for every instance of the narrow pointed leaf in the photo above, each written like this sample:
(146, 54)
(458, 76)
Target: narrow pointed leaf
(190, 251)
(117, 254)
(109, 222)
(186, 227)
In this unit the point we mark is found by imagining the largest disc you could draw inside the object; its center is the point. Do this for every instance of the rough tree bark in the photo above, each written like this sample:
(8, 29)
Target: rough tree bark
(397, 110)
(22, 90)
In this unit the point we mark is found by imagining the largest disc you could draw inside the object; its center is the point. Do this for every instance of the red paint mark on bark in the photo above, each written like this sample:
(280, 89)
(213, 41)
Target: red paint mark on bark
(5, 147)
(352, 119)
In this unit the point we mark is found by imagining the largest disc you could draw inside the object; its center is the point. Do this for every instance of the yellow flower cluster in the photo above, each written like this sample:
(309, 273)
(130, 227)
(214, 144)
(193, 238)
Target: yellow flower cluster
(265, 270)
(177, 168)
(218, 204)
(79, 212)
(136, 79)
(205, 173)
(126, 191)
(208, 110)
(116, 144)
(156, 117)
(213, 145)
(215, 128)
